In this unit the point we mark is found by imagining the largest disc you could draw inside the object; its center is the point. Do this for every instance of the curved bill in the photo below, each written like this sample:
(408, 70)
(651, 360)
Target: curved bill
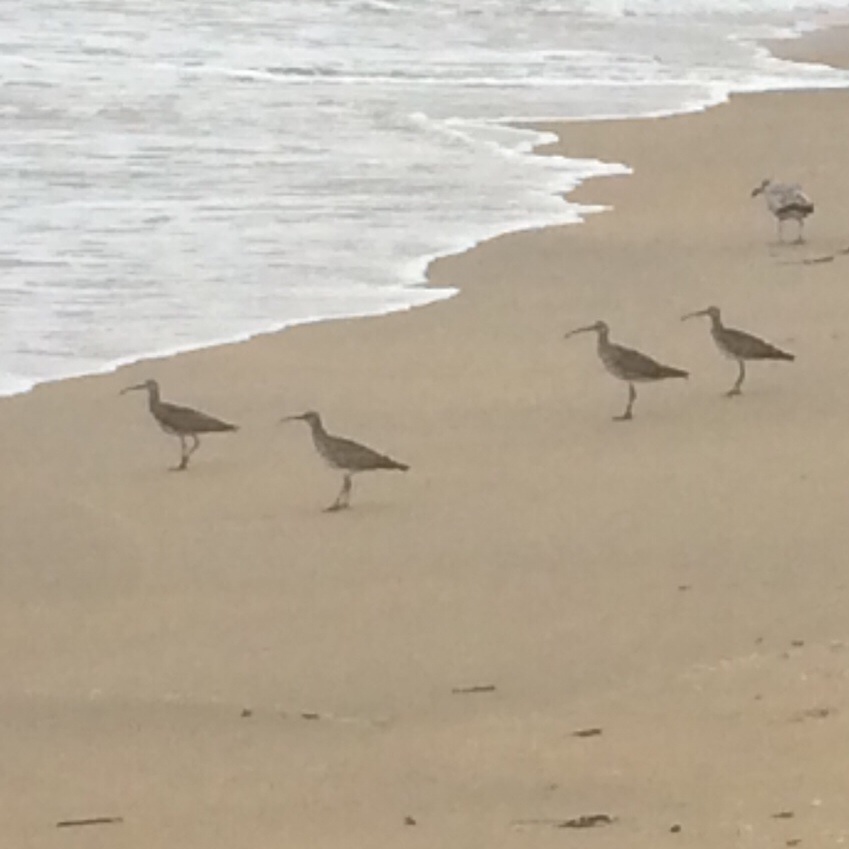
(693, 314)
(133, 388)
(580, 330)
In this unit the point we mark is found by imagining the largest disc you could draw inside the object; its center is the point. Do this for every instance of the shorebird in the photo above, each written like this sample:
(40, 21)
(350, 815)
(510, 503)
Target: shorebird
(738, 345)
(179, 421)
(785, 201)
(348, 456)
(627, 364)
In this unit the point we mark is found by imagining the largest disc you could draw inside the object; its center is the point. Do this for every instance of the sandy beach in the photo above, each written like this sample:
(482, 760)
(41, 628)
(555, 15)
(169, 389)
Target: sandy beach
(211, 658)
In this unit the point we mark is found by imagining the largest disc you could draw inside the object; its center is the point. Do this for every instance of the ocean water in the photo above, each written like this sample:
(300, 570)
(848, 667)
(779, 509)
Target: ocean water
(177, 173)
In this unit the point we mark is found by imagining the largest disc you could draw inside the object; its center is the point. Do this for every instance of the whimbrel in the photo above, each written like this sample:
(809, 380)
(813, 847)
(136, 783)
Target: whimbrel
(627, 364)
(785, 201)
(738, 345)
(348, 456)
(179, 421)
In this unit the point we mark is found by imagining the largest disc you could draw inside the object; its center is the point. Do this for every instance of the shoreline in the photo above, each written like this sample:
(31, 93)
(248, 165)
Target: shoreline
(824, 44)
(213, 659)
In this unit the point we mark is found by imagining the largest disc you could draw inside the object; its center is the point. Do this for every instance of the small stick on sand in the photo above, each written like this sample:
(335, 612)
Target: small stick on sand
(816, 260)
(583, 821)
(587, 732)
(587, 821)
(89, 821)
(475, 688)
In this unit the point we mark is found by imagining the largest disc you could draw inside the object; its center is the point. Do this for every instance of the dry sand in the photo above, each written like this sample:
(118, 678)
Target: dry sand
(679, 582)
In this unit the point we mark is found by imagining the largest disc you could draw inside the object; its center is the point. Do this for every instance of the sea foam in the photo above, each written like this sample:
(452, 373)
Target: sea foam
(176, 175)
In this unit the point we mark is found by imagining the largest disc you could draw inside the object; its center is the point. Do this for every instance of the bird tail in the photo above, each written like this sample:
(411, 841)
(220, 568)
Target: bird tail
(394, 464)
(669, 371)
(770, 352)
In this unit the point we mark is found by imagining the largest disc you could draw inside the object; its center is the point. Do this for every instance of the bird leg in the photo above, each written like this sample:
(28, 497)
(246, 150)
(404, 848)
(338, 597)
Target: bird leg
(343, 497)
(632, 396)
(184, 457)
(195, 446)
(800, 239)
(780, 231)
(735, 389)
(185, 452)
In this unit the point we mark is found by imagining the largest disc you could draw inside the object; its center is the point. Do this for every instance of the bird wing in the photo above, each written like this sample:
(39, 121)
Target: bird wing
(750, 347)
(356, 457)
(634, 365)
(788, 196)
(187, 420)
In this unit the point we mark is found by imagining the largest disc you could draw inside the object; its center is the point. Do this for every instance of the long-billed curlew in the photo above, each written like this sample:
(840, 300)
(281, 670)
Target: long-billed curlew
(627, 364)
(348, 456)
(738, 345)
(179, 421)
(785, 201)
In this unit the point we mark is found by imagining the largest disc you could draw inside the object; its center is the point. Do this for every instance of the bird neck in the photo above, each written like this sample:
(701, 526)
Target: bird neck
(153, 396)
(603, 338)
(715, 323)
(316, 427)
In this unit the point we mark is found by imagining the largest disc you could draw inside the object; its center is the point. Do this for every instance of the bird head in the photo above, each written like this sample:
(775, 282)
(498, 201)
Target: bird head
(759, 189)
(713, 312)
(598, 327)
(311, 418)
(150, 385)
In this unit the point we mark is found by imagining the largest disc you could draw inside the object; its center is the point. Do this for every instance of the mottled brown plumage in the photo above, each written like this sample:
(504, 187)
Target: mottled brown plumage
(627, 364)
(738, 345)
(348, 456)
(181, 422)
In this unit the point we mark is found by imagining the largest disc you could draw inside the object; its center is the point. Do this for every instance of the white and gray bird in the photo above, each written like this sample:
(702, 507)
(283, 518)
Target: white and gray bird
(786, 201)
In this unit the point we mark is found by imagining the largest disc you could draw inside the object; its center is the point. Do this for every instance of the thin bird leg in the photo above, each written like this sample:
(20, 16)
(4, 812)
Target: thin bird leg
(780, 231)
(632, 396)
(195, 446)
(184, 457)
(735, 389)
(343, 498)
(800, 238)
(346, 489)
